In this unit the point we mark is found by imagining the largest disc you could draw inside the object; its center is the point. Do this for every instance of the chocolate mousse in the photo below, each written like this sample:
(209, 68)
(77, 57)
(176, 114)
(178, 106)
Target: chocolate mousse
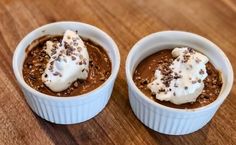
(181, 71)
(65, 65)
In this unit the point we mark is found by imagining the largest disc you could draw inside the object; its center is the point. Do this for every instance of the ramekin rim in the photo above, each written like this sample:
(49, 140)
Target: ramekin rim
(219, 100)
(112, 77)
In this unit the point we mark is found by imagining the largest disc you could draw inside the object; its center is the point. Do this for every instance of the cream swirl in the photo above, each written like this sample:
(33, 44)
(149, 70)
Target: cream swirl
(69, 61)
(182, 81)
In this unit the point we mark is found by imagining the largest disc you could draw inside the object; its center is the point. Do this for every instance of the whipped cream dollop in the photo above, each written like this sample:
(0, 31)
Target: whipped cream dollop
(69, 61)
(182, 81)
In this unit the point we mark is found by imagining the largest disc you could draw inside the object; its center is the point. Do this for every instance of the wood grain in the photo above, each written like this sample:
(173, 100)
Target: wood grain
(126, 21)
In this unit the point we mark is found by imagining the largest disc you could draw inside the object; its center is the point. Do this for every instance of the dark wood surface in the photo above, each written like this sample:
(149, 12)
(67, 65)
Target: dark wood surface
(126, 21)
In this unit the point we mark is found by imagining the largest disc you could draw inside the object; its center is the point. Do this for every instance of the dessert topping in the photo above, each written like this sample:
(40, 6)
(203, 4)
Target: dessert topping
(69, 61)
(182, 81)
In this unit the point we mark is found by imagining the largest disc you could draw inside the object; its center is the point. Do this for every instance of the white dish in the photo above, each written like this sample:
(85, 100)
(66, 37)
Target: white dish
(171, 120)
(74, 109)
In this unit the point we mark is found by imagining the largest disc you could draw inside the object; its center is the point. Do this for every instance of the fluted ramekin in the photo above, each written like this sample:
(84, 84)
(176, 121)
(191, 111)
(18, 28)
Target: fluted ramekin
(74, 109)
(165, 119)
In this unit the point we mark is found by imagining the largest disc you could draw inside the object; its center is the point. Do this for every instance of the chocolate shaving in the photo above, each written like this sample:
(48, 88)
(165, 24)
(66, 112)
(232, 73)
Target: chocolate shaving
(33, 78)
(58, 58)
(53, 51)
(201, 72)
(84, 61)
(144, 81)
(190, 50)
(185, 58)
(153, 94)
(197, 60)
(50, 68)
(54, 57)
(161, 90)
(73, 57)
(57, 74)
(76, 44)
(52, 62)
(175, 85)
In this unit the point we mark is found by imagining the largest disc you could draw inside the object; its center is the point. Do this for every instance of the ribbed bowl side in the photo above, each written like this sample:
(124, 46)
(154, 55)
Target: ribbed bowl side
(68, 112)
(166, 121)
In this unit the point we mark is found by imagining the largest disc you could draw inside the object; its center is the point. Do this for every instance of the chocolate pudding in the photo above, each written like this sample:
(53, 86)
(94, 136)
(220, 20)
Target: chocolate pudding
(144, 74)
(37, 59)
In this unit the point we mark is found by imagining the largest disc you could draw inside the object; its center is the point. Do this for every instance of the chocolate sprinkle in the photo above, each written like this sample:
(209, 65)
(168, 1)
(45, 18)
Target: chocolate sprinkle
(212, 83)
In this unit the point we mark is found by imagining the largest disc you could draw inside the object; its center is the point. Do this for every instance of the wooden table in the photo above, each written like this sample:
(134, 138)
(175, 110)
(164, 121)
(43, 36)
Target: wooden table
(126, 21)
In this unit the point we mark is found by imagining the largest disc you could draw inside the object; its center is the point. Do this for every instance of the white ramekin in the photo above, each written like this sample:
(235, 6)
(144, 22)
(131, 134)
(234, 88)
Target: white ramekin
(74, 109)
(165, 119)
